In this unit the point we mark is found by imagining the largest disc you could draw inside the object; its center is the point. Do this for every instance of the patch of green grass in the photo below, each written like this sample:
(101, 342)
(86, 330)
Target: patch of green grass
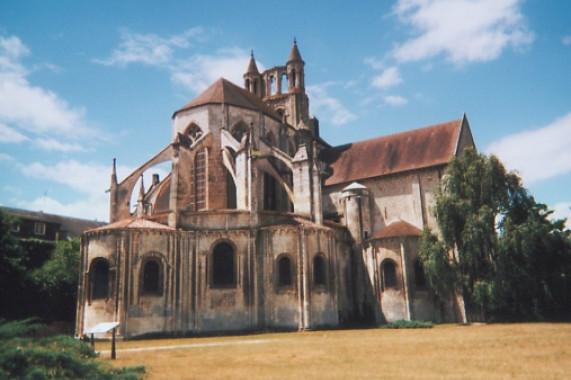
(403, 324)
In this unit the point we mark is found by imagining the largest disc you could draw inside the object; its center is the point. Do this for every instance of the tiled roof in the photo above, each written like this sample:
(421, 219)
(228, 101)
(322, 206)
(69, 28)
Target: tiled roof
(225, 92)
(399, 228)
(133, 223)
(415, 149)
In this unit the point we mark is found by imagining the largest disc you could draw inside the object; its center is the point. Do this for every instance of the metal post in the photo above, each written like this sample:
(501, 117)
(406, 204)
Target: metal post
(113, 353)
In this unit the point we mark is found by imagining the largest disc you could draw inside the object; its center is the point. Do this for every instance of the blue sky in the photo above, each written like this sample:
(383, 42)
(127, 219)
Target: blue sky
(84, 82)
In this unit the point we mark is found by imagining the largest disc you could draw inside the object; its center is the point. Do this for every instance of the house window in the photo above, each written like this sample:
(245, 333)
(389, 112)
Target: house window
(389, 274)
(318, 271)
(152, 278)
(39, 228)
(284, 272)
(223, 266)
(99, 275)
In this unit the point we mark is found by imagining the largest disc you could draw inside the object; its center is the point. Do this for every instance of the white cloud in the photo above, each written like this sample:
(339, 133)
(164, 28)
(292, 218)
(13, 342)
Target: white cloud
(331, 108)
(194, 72)
(6, 157)
(389, 77)
(10, 135)
(567, 40)
(55, 145)
(87, 178)
(199, 71)
(148, 49)
(95, 208)
(538, 154)
(31, 109)
(395, 100)
(90, 180)
(464, 31)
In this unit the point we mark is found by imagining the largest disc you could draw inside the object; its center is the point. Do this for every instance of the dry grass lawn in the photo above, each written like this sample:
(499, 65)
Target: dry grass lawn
(531, 350)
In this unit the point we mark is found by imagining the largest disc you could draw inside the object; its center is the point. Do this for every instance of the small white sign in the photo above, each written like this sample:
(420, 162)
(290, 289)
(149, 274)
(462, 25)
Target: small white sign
(102, 327)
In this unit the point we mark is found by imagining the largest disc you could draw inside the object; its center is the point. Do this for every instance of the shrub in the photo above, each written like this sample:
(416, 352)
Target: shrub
(403, 324)
(60, 357)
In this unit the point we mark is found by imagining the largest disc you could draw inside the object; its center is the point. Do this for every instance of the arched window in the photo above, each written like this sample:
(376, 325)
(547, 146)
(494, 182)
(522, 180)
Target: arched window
(318, 271)
(255, 86)
(238, 131)
(270, 193)
(284, 272)
(198, 181)
(283, 84)
(272, 85)
(223, 266)
(193, 132)
(99, 275)
(248, 85)
(151, 276)
(389, 274)
(293, 79)
(419, 277)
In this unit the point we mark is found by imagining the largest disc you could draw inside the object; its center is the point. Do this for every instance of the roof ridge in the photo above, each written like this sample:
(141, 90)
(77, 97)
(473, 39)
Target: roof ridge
(409, 131)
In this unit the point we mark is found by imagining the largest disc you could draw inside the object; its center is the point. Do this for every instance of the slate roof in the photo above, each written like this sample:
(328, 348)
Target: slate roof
(415, 149)
(225, 92)
(74, 227)
(399, 228)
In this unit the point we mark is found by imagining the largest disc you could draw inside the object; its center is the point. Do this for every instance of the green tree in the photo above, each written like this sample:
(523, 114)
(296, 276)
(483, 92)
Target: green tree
(508, 259)
(439, 269)
(58, 278)
(533, 267)
(18, 295)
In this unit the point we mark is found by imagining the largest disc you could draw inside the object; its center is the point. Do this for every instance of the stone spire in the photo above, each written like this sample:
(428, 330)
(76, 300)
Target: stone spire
(294, 55)
(252, 67)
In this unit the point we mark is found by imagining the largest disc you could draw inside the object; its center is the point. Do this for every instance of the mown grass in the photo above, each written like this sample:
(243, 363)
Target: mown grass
(541, 350)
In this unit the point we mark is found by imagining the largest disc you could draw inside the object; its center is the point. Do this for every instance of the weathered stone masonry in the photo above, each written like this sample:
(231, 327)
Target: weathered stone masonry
(262, 225)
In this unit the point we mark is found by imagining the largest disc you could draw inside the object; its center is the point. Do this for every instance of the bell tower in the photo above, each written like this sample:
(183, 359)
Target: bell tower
(283, 89)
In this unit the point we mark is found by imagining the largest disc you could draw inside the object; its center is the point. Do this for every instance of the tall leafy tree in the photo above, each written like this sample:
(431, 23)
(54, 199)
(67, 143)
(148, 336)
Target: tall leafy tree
(507, 257)
(58, 278)
(467, 204)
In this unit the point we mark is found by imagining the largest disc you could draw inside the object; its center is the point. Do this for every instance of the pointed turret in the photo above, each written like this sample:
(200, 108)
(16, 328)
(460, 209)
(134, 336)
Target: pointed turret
(252, 67)
(141, 199)
(252, 77)
(294, 55)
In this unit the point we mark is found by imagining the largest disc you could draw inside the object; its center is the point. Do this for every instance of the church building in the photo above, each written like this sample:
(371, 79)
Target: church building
(262, 225)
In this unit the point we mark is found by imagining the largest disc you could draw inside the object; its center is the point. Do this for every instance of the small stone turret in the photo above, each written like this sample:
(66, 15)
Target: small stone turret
(295, 70)
(357, 214)
(252, 77)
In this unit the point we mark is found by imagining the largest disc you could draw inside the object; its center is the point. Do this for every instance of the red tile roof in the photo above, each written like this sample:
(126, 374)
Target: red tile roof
(415, 149)
(133, 223)
(399, 228)
(225, 92)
